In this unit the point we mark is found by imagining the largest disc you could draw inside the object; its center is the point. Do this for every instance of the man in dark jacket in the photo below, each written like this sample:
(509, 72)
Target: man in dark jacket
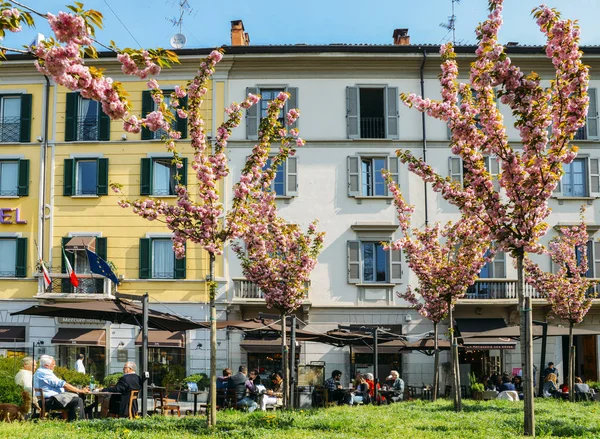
(119, 404)
(237, 384)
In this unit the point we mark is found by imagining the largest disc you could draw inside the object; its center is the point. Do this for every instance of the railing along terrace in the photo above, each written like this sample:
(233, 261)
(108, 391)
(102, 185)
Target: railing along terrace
(372, 128)
(10, 129)
(244, 289)
(87, 129)
(88, 284)
(505, 289)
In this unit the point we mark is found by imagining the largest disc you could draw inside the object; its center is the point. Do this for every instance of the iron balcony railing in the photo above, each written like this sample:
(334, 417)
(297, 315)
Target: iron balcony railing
(10, 129)
(504, 289)
(244, 289)
(87, 129)
(581, 133)
(88, 284)
(372, 128)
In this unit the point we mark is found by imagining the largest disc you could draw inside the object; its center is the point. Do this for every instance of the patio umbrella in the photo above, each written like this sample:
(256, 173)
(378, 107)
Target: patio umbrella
(115, 311)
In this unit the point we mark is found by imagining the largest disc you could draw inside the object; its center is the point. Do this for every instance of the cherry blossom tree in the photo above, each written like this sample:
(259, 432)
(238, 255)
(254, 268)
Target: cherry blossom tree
(278, 258)
(568, 291)
(197, 220)
(447, 261)
(515, 206)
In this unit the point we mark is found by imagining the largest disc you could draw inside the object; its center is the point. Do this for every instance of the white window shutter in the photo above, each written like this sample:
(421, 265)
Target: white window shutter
(352, 112)
(292, 102)
(591, 121)
(353, 171)
(291, 171)
(394, 168)
(594, 178)
(596, 248)
(252, 116)
(354, 262)
(455, 169)
(395, 266)
(392, 115)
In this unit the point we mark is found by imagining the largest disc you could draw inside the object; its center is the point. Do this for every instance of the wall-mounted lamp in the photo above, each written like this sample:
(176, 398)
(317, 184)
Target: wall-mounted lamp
(199, 346)
(40, 343)
(120, 345)
(218, 343)
(407, 318)
(123, 136)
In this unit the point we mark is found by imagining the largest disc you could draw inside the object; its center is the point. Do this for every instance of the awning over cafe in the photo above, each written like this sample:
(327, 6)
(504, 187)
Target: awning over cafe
(80, 336)
(471, 331)
(265, 346)
(12, 334)
(164, 339)
(381, 349)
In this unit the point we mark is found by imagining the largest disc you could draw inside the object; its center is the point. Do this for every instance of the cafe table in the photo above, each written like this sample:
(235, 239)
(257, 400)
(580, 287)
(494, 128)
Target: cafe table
(195, 394)
(97, 395)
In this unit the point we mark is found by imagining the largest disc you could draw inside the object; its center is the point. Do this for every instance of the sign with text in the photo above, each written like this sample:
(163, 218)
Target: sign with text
(8, 217)
(78, 321)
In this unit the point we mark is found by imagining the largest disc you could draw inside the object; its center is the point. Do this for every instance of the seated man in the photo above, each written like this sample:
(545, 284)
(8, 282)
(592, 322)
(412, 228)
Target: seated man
(119, 404)
(507, 385)
(334, 387)
(24, 377)
(222, 382)
(56, 391)
(274, 395)
(397, 385)
(237, 383)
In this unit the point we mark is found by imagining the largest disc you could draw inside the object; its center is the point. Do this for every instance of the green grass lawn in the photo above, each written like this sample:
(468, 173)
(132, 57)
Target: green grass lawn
(492, 419)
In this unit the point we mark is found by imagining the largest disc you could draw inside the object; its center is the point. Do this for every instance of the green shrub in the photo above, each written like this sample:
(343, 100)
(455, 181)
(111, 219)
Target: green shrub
(111, 380)
(594, 385)
(10, 365)
(9, 392)
(200, 378)
(72, 377)
(174, 376)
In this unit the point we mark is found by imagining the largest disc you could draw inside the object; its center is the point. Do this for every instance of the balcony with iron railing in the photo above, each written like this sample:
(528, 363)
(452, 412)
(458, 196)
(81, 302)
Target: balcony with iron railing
(244, 289)
(372, 128)
(10, 129)
(91, 286)
(87, 129)
(491, 289)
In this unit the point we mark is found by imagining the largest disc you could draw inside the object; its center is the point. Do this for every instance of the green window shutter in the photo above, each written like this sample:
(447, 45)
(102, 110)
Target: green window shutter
(252, 116)
(145, 258)
(23, 189)
(25, 133)
(69, 178)
(353, 262)
(146, 177)
(101, 247)
(291, 174)
(103, 125)
(180, 268)
(395, 258)
(21, 262)
(102, 176)
(182, 124)
(65, 284)
(391, 94)
(353, 171)
(183, 172)
(292, 102)
(71, 117)
(352, 113)
(147, 107)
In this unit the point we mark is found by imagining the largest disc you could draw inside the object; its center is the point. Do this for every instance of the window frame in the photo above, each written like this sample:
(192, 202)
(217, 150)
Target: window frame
(146, 259)
(456, 169)
(391, 112)
(253, 116)
(590, 131)
(290, 177)
(355, 175)
(25, 108)
(20, 258)
(72, 122)
(591, 180)
(148, 106)
(71, 170)
(147, 175)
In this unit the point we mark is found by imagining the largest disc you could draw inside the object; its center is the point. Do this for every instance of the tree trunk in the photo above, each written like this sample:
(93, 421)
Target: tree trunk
(526, 347)
(212, 418)
(455, 367)
(284, 360)
(571, 375)
(436, 363)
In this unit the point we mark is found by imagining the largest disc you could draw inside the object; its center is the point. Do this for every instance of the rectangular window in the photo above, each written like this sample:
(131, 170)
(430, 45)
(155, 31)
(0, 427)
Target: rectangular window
(365, 178)
(148, 106)
(256, 113)
(85, 176)
(160, 176)
(375, 262)
(157, 260)
(457, 170)
(278, 185)
(590, 130)
(9, 178)
(372, 112)
(495, 269)
(574, 181)
(8, 250)
(84, 120)
(10, 117)
(267, 95)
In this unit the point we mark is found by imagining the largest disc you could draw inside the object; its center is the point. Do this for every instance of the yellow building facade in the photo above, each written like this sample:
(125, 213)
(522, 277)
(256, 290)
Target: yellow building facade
(72, 210)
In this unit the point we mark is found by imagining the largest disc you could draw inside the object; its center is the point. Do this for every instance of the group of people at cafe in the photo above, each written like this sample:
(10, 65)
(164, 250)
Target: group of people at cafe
(362, 389)
(247, 391)
(60, 395)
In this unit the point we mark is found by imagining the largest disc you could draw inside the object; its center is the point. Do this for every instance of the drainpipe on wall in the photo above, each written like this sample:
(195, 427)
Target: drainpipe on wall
(42, 186)
(424, 131)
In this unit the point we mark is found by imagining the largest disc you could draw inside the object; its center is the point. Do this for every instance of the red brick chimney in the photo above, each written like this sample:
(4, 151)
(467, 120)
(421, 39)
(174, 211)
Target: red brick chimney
(401, 37)
(238, 36)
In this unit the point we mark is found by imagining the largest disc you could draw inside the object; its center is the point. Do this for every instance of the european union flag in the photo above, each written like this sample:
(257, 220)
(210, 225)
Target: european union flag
(99, 266)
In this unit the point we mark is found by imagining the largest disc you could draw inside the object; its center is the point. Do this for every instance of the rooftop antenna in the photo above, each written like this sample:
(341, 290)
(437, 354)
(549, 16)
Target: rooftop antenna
(178, 40)
(451, 24)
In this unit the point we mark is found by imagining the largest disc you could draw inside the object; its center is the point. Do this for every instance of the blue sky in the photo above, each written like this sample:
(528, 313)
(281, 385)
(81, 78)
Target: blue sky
(312, 21)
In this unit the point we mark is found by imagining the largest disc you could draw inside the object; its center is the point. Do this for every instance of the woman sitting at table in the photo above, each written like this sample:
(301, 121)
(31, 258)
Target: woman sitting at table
(361, 394)
(371, 382)
(549, 390)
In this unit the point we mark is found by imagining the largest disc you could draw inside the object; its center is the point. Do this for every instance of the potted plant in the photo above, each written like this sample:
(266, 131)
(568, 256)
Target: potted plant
(477, 388)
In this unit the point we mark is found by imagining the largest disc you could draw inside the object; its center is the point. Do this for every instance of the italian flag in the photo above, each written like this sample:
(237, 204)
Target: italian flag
(46, 275)
(70, 272)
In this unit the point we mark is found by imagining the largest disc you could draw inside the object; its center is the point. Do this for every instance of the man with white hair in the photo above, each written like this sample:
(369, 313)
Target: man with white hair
(397, 386)
(130, 381)
(58, 394)
(24, 377)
